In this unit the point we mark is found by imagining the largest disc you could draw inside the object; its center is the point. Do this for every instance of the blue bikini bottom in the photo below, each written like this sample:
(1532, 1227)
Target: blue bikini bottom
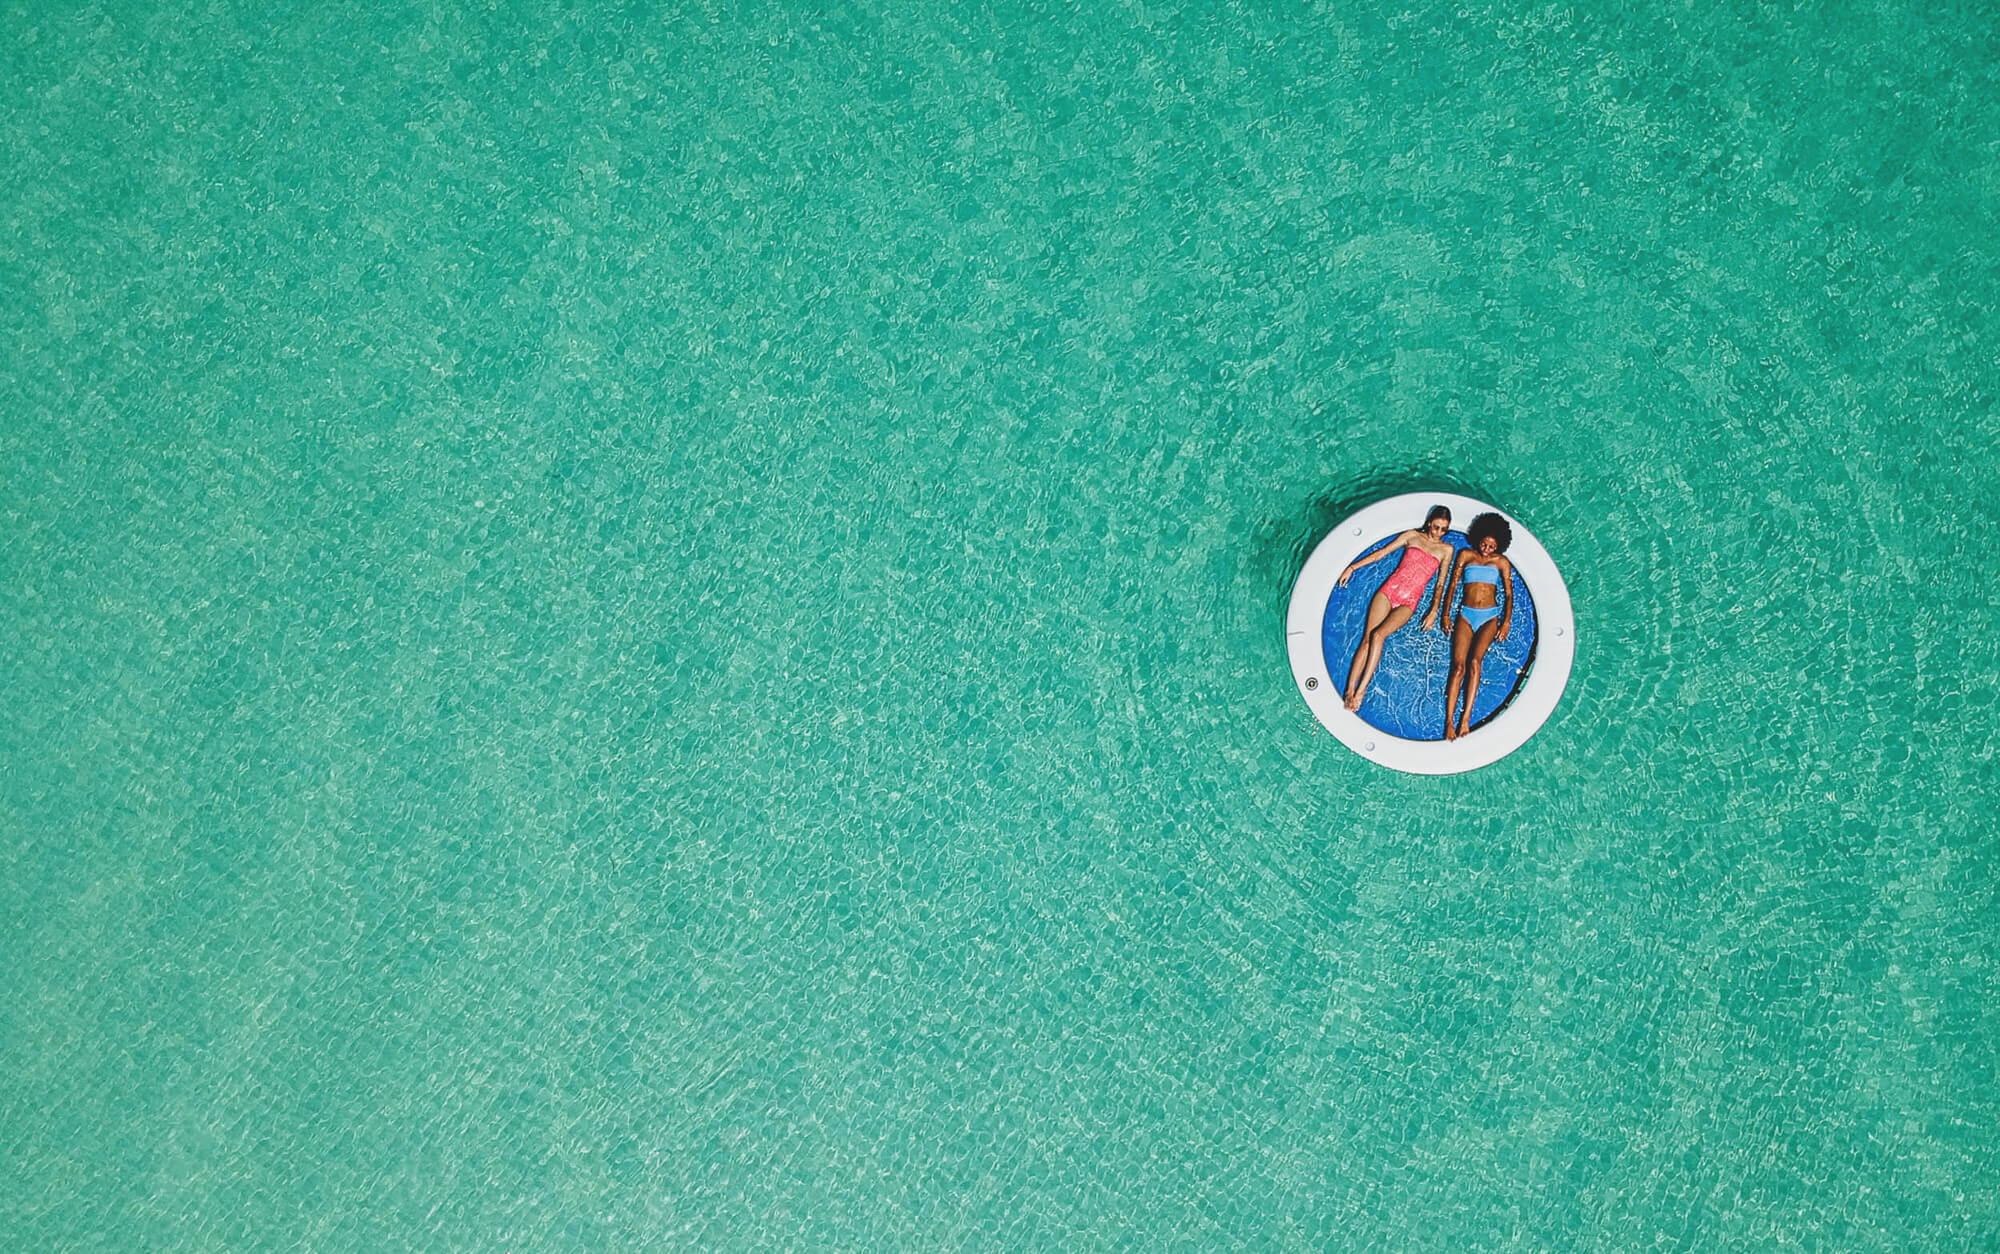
(1478, 617)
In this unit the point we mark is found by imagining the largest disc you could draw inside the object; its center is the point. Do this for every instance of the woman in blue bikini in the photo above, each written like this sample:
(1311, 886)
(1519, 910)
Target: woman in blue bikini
(1480, 571)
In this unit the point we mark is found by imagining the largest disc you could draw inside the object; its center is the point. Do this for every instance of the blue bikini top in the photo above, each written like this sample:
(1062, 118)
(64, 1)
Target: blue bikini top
(1480, 574)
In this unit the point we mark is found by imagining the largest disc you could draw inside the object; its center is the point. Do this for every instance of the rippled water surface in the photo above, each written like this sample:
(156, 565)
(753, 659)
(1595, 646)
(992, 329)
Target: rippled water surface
(627, 629)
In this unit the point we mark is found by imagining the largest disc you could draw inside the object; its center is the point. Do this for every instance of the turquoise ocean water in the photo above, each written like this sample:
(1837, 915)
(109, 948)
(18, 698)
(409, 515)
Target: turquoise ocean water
(631, 628)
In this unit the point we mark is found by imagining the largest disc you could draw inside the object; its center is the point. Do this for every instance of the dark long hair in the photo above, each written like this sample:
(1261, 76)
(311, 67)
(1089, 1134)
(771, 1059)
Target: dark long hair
(1437, 512)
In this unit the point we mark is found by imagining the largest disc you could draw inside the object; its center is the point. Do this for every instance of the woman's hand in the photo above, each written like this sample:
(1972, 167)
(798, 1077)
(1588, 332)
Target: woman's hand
(1430, 621)
(1345, 575)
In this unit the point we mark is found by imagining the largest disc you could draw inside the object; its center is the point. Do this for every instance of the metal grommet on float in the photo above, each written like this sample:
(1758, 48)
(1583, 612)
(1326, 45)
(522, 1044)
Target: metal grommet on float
(1400, 722)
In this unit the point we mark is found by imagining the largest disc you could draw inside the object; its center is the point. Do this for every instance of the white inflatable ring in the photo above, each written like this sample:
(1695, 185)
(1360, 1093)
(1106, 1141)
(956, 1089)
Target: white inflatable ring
(1320, 678)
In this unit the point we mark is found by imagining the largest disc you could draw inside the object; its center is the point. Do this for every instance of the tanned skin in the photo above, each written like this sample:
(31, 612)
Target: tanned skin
(1383, 618)
(1468, 647)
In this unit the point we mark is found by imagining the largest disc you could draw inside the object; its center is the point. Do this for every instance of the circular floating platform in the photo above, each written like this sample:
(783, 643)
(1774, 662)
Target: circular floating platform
(1401, 720)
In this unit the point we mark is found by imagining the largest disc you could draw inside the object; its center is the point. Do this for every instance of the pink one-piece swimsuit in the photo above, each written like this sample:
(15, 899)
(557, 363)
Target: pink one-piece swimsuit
(1413, 574)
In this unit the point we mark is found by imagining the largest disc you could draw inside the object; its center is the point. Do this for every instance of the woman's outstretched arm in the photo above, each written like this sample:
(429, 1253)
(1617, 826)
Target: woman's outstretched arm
(1387, 549)
(1507, 614)
(1439, 606)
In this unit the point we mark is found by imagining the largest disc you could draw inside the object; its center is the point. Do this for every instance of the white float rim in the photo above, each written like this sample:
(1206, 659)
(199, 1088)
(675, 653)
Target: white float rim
(1534, 701)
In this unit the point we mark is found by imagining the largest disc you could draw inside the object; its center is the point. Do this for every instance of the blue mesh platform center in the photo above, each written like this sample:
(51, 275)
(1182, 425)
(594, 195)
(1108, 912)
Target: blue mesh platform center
(1407, 697)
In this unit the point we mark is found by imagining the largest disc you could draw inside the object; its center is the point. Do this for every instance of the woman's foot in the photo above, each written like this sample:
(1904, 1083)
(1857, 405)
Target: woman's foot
(1353, 702)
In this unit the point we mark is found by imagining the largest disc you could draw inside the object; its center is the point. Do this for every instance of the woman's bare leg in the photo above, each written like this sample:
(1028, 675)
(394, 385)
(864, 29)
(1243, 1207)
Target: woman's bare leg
(1461, 646)
(1376, 639)
(1477, 656)
(1378, 609)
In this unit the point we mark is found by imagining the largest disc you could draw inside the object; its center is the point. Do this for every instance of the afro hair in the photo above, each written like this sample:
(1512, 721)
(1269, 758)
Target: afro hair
(1490, 525)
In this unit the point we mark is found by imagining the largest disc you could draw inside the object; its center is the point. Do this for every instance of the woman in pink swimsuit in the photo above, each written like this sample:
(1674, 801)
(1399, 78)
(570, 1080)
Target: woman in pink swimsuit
(1424, 552)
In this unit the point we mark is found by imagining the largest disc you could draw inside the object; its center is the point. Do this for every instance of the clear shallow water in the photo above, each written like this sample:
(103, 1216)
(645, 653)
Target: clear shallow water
(628, 631)
(1406, 696)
